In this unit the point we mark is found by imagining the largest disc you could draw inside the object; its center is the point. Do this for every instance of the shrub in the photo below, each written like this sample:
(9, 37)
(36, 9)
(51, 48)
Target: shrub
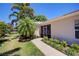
(71, 51)
(46, 38)
(4, 29)
(1, 32)
(48, 42)
(51, 43)
(60, 47)
(75, 46)
(56, 41)
(50, 39)
(54, 45)
(8, 29)
(64, 43)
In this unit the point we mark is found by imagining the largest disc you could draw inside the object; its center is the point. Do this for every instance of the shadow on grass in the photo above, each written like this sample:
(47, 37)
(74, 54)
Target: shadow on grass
(15, 37)
(2, 41)
(24, 40)
(9, 52)
(15, 55)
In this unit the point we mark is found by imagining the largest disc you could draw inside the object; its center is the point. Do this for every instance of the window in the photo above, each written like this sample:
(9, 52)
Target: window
(77, 29)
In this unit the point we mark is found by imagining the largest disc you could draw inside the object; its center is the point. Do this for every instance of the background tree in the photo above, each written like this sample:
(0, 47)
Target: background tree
(40, 18)
(9, 27)
(4, 28)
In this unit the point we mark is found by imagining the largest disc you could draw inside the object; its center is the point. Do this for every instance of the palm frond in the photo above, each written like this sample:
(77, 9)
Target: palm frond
(17, 7)
(13, 14)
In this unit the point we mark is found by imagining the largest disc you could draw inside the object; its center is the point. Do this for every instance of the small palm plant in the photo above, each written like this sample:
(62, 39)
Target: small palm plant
(64, 43)
(26, 28)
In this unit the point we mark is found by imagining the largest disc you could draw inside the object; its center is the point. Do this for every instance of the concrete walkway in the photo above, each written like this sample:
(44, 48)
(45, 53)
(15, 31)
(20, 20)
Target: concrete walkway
(47, 50)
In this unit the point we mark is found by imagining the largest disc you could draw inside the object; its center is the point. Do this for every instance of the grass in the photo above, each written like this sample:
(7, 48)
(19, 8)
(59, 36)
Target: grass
(15, 48)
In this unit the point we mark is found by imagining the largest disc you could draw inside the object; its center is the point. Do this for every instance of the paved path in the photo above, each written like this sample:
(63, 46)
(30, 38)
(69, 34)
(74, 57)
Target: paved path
(47, 50)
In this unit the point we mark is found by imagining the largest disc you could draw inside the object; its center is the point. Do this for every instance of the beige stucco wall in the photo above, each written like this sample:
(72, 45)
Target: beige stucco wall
(37, 31)
(64, 29)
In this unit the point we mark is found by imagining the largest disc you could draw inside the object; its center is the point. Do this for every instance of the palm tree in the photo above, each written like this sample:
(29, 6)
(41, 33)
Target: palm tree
(26, 28)
(23, 10)
(40, 18)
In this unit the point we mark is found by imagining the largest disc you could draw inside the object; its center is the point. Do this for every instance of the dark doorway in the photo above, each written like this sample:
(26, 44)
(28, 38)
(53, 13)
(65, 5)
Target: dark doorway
(46, 31)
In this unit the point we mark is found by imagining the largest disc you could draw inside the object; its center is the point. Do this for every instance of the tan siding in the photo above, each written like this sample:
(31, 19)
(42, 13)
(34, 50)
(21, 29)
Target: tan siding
(64, 29)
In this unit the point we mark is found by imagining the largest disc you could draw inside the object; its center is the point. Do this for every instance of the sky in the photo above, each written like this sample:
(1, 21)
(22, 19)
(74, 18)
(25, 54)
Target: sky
(50, 10)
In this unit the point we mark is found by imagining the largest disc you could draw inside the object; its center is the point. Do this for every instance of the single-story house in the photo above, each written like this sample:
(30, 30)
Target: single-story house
(65, 27)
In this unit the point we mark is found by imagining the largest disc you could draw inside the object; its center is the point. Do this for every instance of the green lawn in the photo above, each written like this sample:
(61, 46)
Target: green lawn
(12, 47)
